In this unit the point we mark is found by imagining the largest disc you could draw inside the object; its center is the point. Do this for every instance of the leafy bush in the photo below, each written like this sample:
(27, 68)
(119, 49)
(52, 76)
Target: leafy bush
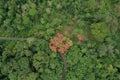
(99, 31)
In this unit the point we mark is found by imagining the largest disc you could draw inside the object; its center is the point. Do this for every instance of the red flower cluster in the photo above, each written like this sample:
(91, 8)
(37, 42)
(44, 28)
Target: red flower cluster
(59, 43)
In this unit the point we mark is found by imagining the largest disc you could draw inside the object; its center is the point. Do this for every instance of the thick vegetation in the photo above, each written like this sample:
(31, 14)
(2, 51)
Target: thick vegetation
(93, 26)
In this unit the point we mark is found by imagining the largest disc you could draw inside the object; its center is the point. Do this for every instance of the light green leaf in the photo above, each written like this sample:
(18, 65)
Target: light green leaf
(30, 40)
(32, 12)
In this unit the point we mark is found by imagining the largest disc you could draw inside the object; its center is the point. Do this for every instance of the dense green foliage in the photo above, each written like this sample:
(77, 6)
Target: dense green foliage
(99, 31)
(96, 58)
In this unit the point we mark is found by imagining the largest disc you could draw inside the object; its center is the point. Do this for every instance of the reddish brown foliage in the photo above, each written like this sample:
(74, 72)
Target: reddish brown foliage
(80, 38)
(59, 43)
